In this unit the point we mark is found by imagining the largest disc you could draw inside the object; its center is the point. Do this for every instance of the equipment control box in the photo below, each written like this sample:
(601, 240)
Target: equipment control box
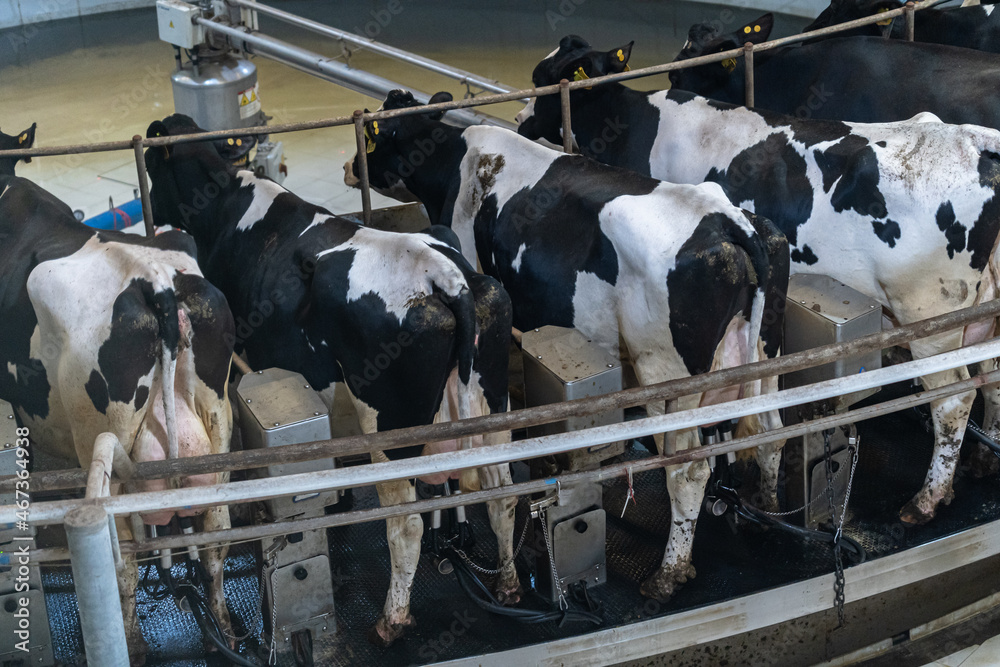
(176, 23)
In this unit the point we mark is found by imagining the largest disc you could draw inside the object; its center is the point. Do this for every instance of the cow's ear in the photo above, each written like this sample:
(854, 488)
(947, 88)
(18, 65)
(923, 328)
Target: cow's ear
(618, 59)
(755, 32)
(157, 129)
(235, 150)
(26, 139)
(437, 98)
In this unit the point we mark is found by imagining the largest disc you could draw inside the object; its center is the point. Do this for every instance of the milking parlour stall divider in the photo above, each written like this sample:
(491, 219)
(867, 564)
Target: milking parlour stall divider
(795, 610)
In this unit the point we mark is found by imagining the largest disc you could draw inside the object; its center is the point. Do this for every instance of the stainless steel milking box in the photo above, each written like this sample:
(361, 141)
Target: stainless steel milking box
(278, 407)
(822, 311)
(560, 365)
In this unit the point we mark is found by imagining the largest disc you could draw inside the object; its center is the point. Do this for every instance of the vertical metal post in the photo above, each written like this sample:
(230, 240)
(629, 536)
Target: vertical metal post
(669, 448)
(140, 166)
(910, 20)
(96, 586)
(567, 122)
(748, 73)
(366, 194)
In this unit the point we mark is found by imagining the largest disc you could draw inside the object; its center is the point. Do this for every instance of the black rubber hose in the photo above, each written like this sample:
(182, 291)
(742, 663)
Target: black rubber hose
(979, 435)
(214, 635)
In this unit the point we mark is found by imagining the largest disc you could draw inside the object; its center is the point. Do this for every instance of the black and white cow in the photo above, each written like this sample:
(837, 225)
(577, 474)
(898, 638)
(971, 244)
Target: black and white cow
(969, 27)
(907, 213)
(401, 320)
(860, 79)
(676, 272)
(109, 332)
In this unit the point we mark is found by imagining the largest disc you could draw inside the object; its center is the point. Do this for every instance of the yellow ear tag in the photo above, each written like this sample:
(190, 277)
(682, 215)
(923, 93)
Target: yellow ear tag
(621, 56)
(370, 146)
(239, 142)
(230, 141)
(375, 126)
(627, 69)
(580, 75)
(22, 138)
(756, 28)
(729, 64)
(885, 22)
(747, 30)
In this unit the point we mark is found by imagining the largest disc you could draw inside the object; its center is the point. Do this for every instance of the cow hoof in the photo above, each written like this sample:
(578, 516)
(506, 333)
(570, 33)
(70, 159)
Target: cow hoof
(912, 515)
(983, 463)
(508, 595)
(382, 634)
(662, 584)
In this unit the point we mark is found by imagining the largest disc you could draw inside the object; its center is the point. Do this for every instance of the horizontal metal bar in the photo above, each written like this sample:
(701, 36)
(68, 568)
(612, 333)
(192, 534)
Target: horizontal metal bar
(357, 80)
(262, 531)
(460, 75)
(454, 104)
(342, 478)
(418, 435)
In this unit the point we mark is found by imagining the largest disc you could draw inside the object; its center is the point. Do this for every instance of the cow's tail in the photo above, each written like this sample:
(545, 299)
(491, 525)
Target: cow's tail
(755, 247)
(463, 307)
(164, 304)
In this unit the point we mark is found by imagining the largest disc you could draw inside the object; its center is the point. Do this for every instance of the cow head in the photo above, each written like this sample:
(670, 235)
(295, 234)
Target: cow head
(715, 78)
(574, 60)
(25, 139)
(187, 177)
(841, 11)
(388, 163)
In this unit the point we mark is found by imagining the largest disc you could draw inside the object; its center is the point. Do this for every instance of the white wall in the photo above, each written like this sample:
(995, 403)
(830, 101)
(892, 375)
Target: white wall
(14, 13)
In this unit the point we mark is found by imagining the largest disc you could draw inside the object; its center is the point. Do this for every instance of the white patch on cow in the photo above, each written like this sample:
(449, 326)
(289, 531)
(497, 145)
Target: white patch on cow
(516, 264)
(5, 189)
(988, 9)
(527, 112)
(317, 220)
(554, 51)
(398, 268)
(924, 117)
(264, 194)
(12, 369)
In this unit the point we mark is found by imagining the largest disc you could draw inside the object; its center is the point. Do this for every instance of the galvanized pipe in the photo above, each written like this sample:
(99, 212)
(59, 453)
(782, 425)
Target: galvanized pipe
(910, 20)
(544, 414)
(535, 486)
(748, 73)
(362, 159)
(359, 81)
(340, 478)
(377, 47)
(567, 119)
(99, 478)
(96, 586)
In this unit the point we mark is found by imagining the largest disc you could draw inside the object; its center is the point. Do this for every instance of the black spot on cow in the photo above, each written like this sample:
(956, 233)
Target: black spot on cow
(804, 256)
(133, 345)
(983, 235)
(880, 144)
(809, 132)
(97, 390)
(852, 165)
(212, 324)
(709, 265)
(887, 232)
(953, 230)
(141, 395)
(772, 175)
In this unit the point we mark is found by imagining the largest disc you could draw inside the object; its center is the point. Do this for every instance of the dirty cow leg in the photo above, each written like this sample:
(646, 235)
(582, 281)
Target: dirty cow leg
(128, 579)
(217, 518)
(686, 486)
(950, 417)
(502, 511)
(404, 534)
(983, 462)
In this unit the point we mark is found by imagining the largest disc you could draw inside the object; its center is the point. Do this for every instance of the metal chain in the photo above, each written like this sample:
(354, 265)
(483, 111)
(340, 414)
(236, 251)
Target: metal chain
(838, 582)
(552, 561)
(836, 475)
(482, 570)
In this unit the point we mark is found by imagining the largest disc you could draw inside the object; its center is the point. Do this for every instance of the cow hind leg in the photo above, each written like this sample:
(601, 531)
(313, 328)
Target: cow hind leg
(950, 416)
(768, 456)
(128, 580)
(404, 534)
(502, 511)
(214, 559)
(686, 487)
